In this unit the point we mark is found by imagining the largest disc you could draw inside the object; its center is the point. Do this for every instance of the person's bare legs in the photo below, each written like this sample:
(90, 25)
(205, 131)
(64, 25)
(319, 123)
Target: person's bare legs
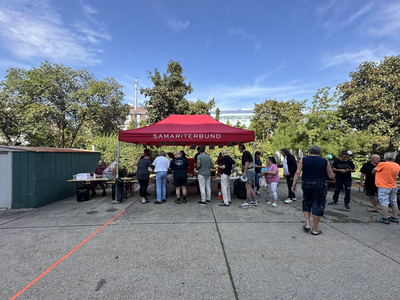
(374, 203)
(395, 210)
(249, 190)
(385, 211)
(184, 191)
(178, 192)
(307, 217)
(316, 220)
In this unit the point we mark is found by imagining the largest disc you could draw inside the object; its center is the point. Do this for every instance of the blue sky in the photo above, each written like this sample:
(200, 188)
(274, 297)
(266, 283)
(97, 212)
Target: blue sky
(238, 52)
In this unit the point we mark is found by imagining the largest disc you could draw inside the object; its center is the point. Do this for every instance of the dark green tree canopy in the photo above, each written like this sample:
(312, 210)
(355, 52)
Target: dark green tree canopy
(167, 96)
(52, 105)
(371, 99)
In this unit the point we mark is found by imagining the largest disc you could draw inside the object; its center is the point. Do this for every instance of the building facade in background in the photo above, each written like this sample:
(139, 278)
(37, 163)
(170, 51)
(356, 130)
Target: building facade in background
(140, 115)
(243, 115)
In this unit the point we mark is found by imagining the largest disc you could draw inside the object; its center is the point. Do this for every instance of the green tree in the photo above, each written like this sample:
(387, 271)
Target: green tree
(217, 113)
(371, 99)
(62, 103)
(167, 96)
(200, 108)
(269, 113)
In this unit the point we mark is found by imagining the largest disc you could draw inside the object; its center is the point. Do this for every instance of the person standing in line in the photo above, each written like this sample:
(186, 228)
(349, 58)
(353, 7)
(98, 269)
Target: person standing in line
(385, 179)
(314, 169)
(289, 168)
(226, 168)
(218, 163)
(204, 165)
(258, 166)
(343, 168)
(371, 190)
(179, 165)
(272, 178)
(143, 175)
(195, 161)
(248, 175)
(161, 164)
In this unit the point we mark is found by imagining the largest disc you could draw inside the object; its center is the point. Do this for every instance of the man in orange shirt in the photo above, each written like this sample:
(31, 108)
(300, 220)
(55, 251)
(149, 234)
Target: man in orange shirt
(385, 180)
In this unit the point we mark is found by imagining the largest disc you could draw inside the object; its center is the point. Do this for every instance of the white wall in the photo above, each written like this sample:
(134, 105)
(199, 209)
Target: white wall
(5, 179)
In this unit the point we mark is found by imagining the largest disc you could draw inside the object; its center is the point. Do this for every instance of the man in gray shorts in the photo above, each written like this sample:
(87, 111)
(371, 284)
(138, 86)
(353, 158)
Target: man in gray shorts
(385, 179)
(249, 174)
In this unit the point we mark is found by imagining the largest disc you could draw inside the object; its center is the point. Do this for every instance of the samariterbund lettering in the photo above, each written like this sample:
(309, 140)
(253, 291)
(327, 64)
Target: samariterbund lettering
(186, 136)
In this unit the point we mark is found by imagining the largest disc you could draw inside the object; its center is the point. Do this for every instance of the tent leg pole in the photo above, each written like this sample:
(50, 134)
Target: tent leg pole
(254, 160)
(116, 177)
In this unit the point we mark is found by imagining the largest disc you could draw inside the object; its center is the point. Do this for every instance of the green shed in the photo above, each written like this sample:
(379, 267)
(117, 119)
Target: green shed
(37, 176)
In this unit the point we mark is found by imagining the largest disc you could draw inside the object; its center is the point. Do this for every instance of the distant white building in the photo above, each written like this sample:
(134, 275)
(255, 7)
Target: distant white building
(141, 115)
(244, 115)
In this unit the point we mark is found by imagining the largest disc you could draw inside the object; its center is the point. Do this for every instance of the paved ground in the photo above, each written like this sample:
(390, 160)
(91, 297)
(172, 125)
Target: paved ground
(188, 251)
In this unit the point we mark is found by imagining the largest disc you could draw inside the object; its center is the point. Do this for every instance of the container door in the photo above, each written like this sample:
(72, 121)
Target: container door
(5, 179)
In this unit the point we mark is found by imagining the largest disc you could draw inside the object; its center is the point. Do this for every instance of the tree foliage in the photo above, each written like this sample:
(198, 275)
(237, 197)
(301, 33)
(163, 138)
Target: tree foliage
(167, 96)
(371, 99)
(200, 108)
(271, 112)
(54, 105)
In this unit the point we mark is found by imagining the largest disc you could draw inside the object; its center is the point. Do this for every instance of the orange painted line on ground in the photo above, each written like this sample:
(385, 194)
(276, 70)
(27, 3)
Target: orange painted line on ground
(53, 266)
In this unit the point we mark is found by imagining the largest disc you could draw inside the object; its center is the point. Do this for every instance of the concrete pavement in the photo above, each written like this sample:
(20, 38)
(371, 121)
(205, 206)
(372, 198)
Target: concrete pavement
(187, 251)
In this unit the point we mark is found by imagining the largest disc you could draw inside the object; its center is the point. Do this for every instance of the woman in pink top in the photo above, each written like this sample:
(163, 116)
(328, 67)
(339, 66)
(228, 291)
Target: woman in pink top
(272, 177)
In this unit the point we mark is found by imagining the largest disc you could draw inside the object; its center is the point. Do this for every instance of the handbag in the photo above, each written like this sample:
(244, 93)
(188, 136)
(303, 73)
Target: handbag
(262, 181)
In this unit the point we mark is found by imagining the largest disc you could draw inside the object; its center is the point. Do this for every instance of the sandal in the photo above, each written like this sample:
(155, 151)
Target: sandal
(184, 201)
(178, 201)
(372, 210)
(306, 228)
(319, 232)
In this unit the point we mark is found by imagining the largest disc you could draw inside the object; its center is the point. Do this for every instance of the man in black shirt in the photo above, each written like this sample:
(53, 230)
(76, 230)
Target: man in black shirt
(343, 169)
(248, 176)
(226, 169)
(179, 166)
(370, 188)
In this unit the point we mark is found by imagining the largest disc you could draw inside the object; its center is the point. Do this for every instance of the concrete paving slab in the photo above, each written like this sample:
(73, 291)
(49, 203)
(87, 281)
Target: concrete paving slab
(143, 261)
(281, 261)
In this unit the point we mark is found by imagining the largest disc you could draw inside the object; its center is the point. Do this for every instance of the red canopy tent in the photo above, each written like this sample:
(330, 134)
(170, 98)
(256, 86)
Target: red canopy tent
(187, 130)
(198, 130)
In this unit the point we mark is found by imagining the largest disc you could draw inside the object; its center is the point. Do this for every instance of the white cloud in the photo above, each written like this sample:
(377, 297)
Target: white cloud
(177, 25)
(257, 46)
(239, 31)
(354, 58)
(385, 21)
(35, 30)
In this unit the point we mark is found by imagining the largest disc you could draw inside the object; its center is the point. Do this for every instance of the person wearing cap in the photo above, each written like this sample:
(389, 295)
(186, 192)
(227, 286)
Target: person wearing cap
(343, 168)
(178, 166)
(204, 165)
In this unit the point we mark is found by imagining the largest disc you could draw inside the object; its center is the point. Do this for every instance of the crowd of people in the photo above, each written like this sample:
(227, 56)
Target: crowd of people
(377, 178)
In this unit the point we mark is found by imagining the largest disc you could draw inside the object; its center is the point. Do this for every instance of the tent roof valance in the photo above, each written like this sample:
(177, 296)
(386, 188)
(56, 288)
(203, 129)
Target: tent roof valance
(187, 130)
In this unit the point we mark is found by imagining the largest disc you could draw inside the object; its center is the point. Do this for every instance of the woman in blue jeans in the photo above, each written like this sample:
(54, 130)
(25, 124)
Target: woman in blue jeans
(161, 164)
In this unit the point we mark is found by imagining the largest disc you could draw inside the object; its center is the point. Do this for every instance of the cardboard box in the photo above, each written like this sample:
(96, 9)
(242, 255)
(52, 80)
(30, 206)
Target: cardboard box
(83, 176)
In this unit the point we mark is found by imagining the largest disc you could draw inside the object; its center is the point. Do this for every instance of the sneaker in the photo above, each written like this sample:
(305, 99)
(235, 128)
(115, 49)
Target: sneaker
(288, 201)
(223, 204)
(245, 205)
(274, 205)
(258, 193)
(208, 201)
(333, 203)
(268, 202)
(164, 200)
(254, 203)
(156, 202)
(294, 199)
(104, 193)
(394, 220)
(348, 207)
(201, 203)
(383, 220)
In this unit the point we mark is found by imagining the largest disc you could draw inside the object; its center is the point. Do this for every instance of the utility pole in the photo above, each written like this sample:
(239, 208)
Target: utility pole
(136, 102)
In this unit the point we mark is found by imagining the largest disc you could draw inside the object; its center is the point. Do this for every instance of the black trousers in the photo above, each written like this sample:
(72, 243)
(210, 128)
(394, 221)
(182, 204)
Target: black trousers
(143, 187)
(289, 181)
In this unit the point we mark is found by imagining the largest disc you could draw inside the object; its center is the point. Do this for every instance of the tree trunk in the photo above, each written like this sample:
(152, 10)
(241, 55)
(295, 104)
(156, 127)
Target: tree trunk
(8, 139)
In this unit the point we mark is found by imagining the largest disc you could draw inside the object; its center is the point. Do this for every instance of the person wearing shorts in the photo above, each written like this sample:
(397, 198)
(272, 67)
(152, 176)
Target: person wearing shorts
(385, 179)
(371, 190)
(249, 175)
(314, 169)
(179, 165)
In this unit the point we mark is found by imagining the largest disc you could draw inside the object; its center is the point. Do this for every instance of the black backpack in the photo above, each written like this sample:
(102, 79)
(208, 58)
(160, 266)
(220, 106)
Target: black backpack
(239, 188)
